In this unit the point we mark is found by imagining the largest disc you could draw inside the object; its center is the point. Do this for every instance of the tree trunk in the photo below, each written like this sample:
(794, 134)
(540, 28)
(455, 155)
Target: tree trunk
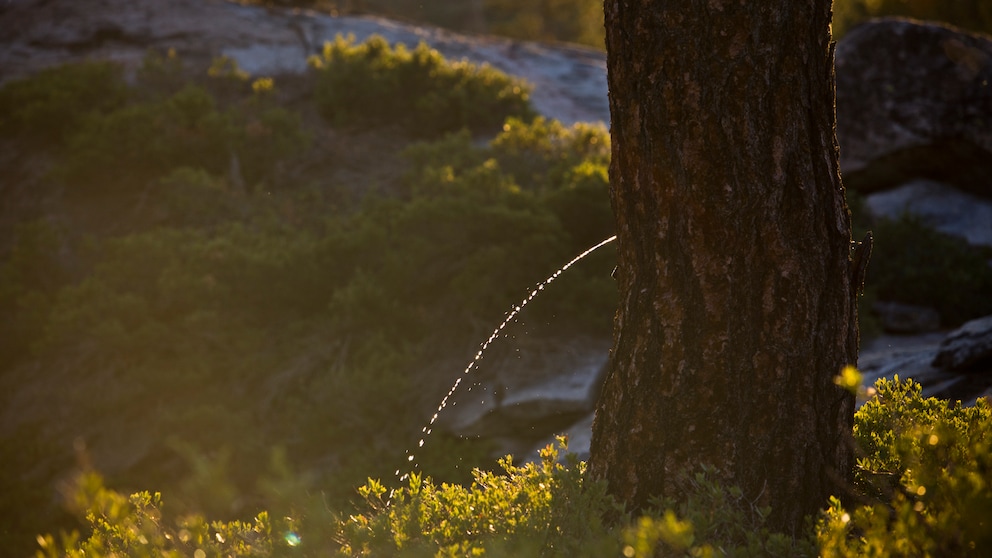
(737, 302)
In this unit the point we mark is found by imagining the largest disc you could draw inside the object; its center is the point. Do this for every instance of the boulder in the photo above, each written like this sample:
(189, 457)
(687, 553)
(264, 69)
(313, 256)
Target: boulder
(939, 206)
(914, 100)
(523, 397)
(912, 356)
(897, 317)
(968, 348)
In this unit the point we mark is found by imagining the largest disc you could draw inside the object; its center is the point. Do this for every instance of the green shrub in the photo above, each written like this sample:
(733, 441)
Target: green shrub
(546, 508)
(135, 526)
(529, 510)
(160, 76)
(552, 169)
(192, 197)
(30, 278)
(47, 107)
(266, 141)
(582, 204)
(130, 147)
(374, 83)
(566, 166)
(706, 517)
(576, 21)
(915, 264)
(542, 155)
(138, 143)
(925, 474)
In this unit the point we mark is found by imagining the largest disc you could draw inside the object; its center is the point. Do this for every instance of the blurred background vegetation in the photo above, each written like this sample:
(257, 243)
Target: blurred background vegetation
(581, 21)
(213, 276)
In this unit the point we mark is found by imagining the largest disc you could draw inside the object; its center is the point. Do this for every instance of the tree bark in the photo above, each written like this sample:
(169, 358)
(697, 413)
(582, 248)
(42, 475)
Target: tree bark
(737, 302)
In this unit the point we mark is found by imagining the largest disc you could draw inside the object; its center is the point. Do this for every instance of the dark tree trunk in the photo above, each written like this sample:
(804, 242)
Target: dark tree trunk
(737, 303)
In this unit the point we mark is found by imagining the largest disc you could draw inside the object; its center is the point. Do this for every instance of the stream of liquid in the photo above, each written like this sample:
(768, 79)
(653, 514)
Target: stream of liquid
(426, 431)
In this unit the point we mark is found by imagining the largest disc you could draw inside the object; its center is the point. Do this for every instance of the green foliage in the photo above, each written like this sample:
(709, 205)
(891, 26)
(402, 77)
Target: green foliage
(705, 517)
(30, 277)
(576, 21)
(192, 197)
(538, 508)
(131, 146)
(544, 154)
(374, 83)
(558, 171)
(127, 148)
(975, 15)
(547, 508)
(915, 264)
(136, 526)
(161, 76)
(50, 105)
(565, 166)
(925, 474)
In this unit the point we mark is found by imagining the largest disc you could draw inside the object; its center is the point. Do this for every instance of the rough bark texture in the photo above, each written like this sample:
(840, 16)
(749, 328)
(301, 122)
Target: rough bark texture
(737, 302)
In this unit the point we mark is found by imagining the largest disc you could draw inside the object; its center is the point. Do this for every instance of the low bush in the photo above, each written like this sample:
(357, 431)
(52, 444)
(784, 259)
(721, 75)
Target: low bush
(129, 147)
(375, 83)
(30, 278)
(556, 170)
(46, 108)
(574, 21)
(923, 473)
(565, 167)
(160, 75)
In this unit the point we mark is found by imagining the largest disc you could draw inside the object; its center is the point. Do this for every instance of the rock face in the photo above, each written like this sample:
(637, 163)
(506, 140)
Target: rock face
(524, 398)
(569, 82)
(968, 348)
(940, 207)
(914, 100)
(956, 366)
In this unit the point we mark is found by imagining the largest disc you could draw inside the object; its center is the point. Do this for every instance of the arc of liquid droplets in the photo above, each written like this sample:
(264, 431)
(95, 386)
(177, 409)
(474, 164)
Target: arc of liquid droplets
(426, 431)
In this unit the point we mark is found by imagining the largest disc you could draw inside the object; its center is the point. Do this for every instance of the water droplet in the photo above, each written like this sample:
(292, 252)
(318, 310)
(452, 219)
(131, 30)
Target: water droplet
(511, 316)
